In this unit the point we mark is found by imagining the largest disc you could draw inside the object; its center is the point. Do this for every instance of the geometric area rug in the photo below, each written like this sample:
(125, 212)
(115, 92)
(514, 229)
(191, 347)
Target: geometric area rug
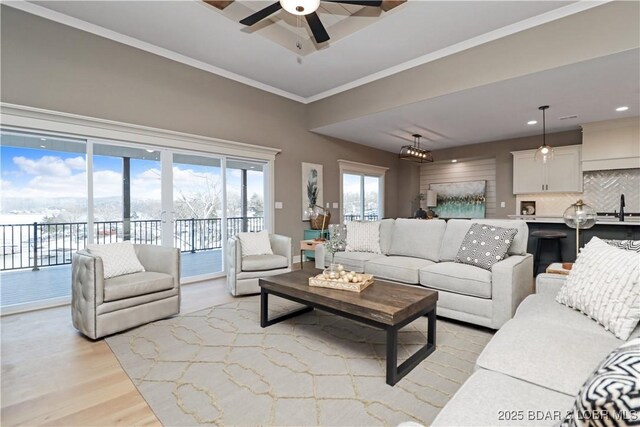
(219, 367)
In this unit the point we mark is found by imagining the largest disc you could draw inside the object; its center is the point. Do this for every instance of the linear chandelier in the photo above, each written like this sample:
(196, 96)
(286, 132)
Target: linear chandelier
(414, 153)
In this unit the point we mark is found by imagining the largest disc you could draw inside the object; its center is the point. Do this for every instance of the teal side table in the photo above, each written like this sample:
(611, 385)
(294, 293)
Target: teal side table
(314, 234)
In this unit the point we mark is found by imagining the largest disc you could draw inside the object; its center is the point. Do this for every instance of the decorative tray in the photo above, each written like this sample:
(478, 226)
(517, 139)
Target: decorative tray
(321, 281)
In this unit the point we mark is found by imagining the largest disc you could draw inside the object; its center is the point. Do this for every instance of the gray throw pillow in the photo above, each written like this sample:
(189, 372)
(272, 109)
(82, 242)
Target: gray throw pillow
(485, 245)
(611, 395)
(627, 245)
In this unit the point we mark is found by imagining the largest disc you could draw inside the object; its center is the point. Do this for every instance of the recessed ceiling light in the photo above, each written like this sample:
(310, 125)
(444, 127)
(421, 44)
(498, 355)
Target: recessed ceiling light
(623, 108)
(454, 161)
(43, 139)
(149, 151)
(532, 122)
(42, 146)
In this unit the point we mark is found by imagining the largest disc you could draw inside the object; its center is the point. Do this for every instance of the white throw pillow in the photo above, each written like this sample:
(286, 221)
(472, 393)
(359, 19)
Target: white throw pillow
(117, 258)
(255, 243)
(604, 284)
(363, 236)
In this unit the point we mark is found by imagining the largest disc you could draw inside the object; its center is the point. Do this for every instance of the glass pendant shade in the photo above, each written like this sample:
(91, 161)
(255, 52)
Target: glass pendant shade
(580, 216)
(544, 153)
(300, 7)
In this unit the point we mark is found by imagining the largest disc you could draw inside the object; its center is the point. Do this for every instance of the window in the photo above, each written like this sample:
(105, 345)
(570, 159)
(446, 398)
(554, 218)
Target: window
(362, 191)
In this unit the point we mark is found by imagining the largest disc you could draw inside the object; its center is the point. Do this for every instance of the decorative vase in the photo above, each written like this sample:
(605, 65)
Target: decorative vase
(321, 221)
(421, 214)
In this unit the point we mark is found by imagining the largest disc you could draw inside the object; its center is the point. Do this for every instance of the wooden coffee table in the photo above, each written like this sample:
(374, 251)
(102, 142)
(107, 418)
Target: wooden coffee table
(382, 305)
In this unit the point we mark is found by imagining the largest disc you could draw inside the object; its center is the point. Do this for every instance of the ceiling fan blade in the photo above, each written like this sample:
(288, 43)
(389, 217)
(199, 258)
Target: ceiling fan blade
(318, 30)
(358, 2)
(261, 14)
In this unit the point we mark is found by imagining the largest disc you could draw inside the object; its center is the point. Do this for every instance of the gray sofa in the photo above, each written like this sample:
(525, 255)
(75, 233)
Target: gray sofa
(101, 307)
(419, 252)
(245, 272)
(534, 365)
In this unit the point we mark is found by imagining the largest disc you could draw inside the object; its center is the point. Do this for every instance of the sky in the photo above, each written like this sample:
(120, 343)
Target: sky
(39, 173)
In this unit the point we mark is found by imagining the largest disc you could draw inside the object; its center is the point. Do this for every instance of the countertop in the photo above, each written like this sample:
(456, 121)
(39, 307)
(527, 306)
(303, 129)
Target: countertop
(558, 220)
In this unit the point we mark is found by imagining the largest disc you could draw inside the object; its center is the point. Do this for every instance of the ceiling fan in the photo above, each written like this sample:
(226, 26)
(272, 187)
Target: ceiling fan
(306, 8)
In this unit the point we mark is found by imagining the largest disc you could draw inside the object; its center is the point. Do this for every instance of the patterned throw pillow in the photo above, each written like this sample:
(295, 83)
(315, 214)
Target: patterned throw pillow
(485, 245)
(627, 245)
(604, 284)
(363, 236)
(255, 243)
(611, 395)
(117, 258)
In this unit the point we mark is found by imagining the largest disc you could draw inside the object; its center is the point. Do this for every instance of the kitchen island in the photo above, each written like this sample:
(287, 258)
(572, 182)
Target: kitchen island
(605, 228)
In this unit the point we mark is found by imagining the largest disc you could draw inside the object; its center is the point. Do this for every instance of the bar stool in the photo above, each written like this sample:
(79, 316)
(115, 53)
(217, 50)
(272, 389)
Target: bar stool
(551, 237)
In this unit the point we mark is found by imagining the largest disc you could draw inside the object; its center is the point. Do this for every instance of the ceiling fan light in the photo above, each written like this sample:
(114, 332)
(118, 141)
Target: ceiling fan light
(300, 7)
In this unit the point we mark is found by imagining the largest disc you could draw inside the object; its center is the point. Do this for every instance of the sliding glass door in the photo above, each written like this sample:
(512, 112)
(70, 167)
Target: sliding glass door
(43, 215)
(59, 194)
(126, 195)
(198, 213)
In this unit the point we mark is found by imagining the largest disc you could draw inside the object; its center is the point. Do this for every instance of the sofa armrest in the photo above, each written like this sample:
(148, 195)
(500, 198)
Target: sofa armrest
(281, 245)
(160, 260)
(512, 281)
(234, 263)
(549, 283)
(87, 283)
(320, 254)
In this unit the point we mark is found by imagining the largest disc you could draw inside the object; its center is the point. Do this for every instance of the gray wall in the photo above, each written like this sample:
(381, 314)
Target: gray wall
(52, 66)
(501, 151)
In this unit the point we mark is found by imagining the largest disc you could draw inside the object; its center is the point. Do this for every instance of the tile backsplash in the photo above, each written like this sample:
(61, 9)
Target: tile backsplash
(601, 190)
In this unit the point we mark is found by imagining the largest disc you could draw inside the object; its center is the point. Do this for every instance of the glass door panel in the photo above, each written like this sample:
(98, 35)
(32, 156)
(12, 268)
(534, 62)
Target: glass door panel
(351, 197)
(126, 195)
(245, 187)
(198, 208)
(371, 198)
(43, 215)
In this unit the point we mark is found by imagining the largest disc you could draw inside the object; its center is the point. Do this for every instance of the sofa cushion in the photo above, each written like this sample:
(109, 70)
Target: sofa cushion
(458, 228)
(263, 262)
(545, 309)
(397, 268)
(354, 261)
(491, 399)
(558, 358)
(458, 278)
(136, 284)
(417, 238)
(386, 234)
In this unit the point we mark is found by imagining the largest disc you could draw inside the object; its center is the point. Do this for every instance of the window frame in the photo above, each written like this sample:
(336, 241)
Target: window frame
(362, 169)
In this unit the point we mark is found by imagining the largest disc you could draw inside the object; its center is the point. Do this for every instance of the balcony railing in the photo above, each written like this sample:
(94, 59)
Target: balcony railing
(356, 217)
(48, 244)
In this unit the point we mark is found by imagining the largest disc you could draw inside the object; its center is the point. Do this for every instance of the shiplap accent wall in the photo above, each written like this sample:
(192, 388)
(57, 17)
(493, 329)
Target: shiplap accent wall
(472, 170)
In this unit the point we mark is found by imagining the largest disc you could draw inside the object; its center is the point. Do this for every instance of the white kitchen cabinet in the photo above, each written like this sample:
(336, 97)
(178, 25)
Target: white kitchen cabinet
(563, 174)
(611, 144)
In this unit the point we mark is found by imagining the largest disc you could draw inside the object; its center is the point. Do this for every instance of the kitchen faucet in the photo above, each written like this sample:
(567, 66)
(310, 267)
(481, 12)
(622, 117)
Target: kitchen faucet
(621, 214)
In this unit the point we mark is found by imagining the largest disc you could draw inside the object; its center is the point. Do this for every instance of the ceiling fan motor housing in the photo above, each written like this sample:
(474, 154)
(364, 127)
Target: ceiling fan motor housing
(300, 7)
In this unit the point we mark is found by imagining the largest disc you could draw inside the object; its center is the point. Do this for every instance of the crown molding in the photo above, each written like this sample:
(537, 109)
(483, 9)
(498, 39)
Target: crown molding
(523, 25)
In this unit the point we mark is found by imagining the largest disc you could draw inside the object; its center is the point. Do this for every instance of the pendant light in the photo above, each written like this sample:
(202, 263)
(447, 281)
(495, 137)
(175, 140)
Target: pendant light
(545, 152)
(414, 153)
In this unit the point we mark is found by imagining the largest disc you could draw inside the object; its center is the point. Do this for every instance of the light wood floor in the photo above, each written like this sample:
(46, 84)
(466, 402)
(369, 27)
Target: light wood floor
(52, 375)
